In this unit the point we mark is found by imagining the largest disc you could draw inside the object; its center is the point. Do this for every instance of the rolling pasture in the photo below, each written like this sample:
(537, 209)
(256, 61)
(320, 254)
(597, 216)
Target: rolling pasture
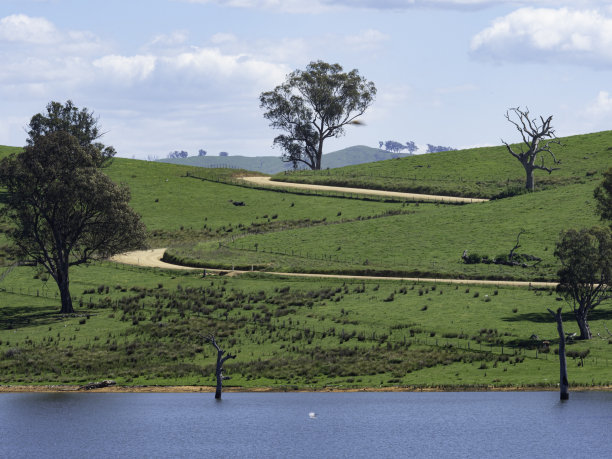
(486, 172)
(145, 326)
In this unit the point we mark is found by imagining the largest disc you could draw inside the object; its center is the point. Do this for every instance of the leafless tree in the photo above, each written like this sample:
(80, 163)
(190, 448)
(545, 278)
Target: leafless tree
(563, 382)
(537, 138)
(221, 358)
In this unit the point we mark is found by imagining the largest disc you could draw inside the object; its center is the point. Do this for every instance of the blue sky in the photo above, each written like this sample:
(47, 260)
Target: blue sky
(167, 75)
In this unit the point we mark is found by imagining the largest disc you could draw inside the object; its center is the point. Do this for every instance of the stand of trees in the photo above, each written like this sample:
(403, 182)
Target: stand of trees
(62, 208)
(397, 147)
(585, 277)
(178, 154)
(438, 148)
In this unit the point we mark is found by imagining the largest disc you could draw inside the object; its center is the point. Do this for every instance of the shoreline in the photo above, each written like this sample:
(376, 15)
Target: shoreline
(210, 389)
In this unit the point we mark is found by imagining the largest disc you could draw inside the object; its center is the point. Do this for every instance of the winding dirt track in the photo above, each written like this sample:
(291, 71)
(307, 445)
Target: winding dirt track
(152, 259)
(265, 181)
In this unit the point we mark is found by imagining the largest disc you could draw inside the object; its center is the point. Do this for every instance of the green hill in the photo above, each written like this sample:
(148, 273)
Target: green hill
(480, 172)
(144, 326)
(273, 164)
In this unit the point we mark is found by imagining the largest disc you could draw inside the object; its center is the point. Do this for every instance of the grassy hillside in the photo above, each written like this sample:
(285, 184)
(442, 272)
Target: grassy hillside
(144, 326)
(425, 240)
(140, 326)
(481, 172)
(177, 207)
(273, 164)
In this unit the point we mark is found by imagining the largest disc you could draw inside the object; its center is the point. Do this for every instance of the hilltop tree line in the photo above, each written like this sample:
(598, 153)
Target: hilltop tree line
(398, 147)
(183, 154)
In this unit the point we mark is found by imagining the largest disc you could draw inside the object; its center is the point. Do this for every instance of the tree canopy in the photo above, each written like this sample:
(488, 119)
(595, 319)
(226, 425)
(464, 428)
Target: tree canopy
(81, 124)
(585, 276)
(603, 195)
(63, 209)
(313, 105)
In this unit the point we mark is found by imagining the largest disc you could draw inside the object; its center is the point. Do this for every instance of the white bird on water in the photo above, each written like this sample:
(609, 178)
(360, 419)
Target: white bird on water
(312, 415)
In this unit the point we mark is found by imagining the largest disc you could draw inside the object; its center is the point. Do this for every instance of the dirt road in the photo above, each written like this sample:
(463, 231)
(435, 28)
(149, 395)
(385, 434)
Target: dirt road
(265, 181)
(152, 259)
(148, 258)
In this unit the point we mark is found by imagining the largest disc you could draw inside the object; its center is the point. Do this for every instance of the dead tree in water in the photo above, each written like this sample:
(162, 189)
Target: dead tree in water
(221, 358)
(563, 383)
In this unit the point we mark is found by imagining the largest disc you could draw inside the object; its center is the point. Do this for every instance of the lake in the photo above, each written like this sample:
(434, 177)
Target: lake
(278, 425)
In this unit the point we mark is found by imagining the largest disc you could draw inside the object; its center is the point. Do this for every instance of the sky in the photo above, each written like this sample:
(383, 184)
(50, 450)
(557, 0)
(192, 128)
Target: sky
(165, 75)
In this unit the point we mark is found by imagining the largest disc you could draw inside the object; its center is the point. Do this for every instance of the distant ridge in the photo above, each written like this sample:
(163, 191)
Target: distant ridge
(358, 154)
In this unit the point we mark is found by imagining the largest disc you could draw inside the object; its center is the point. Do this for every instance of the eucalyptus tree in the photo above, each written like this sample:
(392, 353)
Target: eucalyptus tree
(603, 195)
(314, 105)
(63, 210)
(585, 276)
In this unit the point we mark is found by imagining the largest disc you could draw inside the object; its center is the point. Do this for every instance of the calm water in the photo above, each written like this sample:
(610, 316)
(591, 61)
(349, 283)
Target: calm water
(373, 425)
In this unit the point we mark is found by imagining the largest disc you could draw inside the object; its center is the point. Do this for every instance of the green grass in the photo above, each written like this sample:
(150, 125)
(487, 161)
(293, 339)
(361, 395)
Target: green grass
(428, 240)
(144, 326)
(479, 172)
(176, 207)
(141, 326)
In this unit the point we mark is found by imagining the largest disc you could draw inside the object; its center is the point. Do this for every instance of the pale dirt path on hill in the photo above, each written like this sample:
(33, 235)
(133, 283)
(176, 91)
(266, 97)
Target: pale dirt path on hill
(265, 181)
(147, 258)
(152, 259)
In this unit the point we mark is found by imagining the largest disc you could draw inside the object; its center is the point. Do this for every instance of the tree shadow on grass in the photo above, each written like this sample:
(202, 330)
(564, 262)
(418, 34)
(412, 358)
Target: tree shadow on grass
(13, 317)
(568, 316)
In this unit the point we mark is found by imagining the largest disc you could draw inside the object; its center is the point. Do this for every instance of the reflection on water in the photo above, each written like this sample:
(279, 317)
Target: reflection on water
(464, 424)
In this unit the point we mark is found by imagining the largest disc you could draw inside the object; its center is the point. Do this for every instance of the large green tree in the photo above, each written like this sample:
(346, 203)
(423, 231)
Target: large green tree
(585, 276)
(313, 105)
(64, 210)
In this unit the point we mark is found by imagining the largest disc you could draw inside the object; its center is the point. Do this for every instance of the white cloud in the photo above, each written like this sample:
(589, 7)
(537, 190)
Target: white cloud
(26, 29)
(318, 6)
(366, 40)
(543, 33)
(129, 69)
(177, 37)
(601, 106)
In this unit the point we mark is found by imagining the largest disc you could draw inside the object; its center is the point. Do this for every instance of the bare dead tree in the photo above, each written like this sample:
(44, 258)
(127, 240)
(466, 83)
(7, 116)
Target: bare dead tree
(517, 245)
(533, 134)
(563, 382)
(221, 358)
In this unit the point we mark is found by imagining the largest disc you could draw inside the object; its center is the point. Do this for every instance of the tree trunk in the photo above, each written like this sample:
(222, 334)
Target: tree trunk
(563, 382)
(63, 283)
(219, 373)
(319, 156)
(530, 180)
(583, 324)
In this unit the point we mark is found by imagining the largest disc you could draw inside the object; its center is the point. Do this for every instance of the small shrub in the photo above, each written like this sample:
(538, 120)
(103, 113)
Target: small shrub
(472, 259)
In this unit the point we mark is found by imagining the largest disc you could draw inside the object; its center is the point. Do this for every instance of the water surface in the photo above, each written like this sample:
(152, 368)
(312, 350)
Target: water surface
(278, 425)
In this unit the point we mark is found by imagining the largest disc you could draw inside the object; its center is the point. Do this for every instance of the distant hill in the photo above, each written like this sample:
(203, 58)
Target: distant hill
(359, 154)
